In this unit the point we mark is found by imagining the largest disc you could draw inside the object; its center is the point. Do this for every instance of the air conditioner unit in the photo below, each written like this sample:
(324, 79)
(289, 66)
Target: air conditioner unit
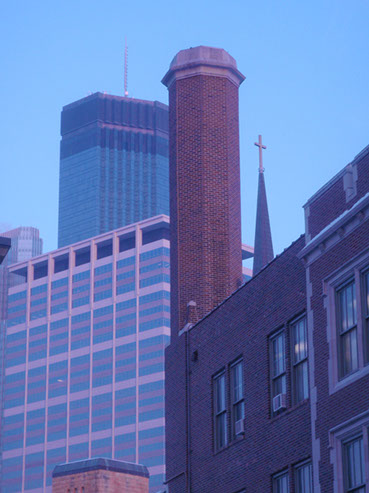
(279, 402)
(239, 427)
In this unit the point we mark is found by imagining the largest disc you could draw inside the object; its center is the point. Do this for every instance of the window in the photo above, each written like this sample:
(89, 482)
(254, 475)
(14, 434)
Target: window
(347, 329)
(281, 483)
(347, 306)
(349, 445)
(365, 298)
(220, 411)
(278, 370)
(353, 465)
(300, 360)
(303, 478)
(237, 403)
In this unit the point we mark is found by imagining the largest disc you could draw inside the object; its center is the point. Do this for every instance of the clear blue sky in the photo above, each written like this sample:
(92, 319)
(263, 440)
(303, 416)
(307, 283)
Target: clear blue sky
(306, 90)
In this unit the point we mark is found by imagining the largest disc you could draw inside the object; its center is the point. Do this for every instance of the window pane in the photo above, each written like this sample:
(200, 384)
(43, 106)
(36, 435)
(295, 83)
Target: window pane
(279, 385)
(300, 340)
(237, 382)
(280, 483)
(354, 470)
(220, 394)
(366, 317)
(347, 307)
(221, 430)
(349, 352)
(278, 355)
(301, 381)
(304, 479)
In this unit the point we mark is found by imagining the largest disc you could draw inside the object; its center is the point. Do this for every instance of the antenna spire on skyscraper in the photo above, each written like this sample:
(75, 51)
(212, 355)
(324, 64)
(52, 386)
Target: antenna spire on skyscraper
(126, 69)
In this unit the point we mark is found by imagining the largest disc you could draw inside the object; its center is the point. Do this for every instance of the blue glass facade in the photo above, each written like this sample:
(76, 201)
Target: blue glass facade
(87, 379)
(114, 166)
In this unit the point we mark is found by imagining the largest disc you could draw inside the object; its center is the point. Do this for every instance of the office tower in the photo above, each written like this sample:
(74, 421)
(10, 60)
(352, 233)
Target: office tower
(205, 206)
(84, 372)
(25, 243)
(113, 165)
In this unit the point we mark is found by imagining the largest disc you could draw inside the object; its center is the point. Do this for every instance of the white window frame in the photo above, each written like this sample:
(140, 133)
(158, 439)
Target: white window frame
(341, 434)
(352, 270)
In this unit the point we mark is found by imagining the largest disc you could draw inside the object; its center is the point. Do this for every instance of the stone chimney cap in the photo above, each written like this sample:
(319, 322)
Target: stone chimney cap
(184, 64)
(97, 463)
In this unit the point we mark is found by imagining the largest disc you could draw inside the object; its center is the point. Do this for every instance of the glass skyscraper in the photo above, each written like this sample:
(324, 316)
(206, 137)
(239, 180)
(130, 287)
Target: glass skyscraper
(25, 244)
(113, 165)
(84, 367)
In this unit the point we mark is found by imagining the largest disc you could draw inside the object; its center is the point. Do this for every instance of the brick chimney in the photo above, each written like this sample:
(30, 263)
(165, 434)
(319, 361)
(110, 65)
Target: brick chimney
(100, 475)
(206, 263)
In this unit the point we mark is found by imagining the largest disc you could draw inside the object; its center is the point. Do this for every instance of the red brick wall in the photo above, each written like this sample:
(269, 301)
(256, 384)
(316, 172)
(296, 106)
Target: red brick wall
(204, 193)
(332, 203)
(100, 481)
(351, 400)
(241, 326)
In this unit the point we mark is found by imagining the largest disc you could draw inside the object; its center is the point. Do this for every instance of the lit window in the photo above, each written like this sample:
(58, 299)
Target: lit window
(278, 372)
(300, 360)
(220, 412)
(347, 329)
(237, 409)
(303, 478)
(353, 465)
(281, 483)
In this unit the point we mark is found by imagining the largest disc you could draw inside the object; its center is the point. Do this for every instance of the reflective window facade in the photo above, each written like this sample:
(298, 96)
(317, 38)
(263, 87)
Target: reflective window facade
(113, 165)
(88, 380)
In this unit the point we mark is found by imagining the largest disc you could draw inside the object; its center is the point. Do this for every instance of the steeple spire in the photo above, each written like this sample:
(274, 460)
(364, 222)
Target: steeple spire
(263, 248)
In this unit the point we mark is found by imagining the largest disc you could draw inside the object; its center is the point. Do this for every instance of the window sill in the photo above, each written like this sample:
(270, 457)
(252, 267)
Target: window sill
(230, 444)
(289, 410)
(362, 372)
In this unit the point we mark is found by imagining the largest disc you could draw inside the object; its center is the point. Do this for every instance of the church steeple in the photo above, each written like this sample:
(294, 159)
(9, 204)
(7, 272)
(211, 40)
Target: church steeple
(263, 248)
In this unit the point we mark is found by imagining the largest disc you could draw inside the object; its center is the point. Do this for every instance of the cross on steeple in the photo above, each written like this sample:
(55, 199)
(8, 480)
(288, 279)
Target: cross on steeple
(261, 147)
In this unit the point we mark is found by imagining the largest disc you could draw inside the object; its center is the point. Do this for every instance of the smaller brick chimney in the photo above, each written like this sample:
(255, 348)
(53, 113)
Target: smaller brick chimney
(100, 475)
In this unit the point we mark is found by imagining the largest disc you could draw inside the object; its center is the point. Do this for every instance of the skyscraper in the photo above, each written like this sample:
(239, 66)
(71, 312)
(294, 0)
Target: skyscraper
(113, 165)
(84, 372)
(25, 244)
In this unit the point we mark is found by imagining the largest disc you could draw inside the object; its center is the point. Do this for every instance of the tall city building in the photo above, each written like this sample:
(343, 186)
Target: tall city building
(84, 367)
(25, 244)
(205, 208)
(113, 165)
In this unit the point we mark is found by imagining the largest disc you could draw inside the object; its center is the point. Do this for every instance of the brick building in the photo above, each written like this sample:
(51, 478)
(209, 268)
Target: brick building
(100, 475)
(268, 391)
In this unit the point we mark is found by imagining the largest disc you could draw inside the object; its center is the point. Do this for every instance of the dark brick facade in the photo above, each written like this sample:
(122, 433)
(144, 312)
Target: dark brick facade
(332, 258)
(303, 280)
(240, 327)
(204, 180)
